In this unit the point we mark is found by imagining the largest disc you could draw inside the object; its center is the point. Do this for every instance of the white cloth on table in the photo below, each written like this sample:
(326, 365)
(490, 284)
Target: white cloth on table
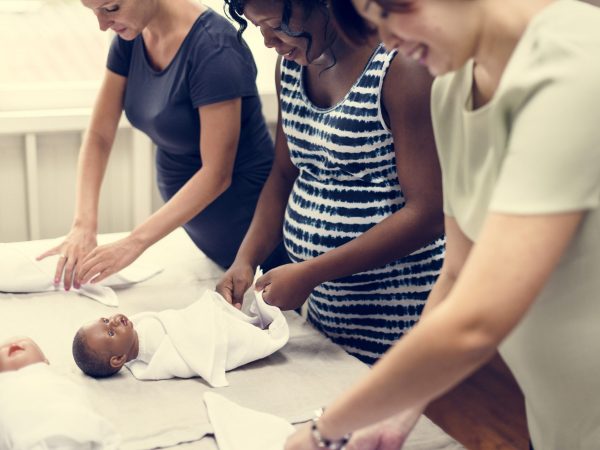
(239, 428)
(41, 409)
(208, 338)
(21, 273)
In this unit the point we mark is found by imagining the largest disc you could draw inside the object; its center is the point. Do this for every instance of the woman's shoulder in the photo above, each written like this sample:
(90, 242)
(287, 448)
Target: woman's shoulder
(563, 39)
(406, 83)
(213, 37)
(557, 56)
(213, 30)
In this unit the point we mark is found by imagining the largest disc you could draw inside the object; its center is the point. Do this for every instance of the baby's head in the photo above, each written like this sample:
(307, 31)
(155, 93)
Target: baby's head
(19, 352)
(101, 347)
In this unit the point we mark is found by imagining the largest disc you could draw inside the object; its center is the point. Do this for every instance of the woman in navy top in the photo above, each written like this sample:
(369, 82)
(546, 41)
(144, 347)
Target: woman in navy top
(182, 76)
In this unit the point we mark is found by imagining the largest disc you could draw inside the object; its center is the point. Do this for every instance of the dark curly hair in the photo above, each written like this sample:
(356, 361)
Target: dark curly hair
(349, 23)
(90, 362)
(235, 10)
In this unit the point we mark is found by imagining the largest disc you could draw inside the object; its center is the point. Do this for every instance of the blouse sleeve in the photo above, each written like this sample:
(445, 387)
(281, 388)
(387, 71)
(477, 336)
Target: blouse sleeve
(552, 162)
(221, 71)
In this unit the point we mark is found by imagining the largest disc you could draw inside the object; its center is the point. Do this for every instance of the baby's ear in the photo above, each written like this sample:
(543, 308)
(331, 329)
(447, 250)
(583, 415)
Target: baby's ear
(117, 362)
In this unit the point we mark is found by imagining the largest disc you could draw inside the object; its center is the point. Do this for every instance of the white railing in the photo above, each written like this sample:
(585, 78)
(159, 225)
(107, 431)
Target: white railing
(38, 154)
(22, 147)
(41, 129)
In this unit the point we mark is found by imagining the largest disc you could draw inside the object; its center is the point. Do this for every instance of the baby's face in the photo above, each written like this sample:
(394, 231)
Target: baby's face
(112, 336)
(19, 352)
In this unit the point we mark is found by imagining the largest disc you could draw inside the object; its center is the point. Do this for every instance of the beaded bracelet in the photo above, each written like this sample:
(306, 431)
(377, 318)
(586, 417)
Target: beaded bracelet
(326, 443)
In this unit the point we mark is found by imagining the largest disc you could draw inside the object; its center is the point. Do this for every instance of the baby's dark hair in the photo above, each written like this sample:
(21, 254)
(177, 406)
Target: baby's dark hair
(235, 10)
(89, 361)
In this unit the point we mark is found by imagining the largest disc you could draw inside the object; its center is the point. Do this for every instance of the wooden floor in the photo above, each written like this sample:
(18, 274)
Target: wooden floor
(485, 412)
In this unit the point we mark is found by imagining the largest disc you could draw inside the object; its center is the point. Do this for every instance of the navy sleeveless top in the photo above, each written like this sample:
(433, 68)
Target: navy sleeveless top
(348, 183)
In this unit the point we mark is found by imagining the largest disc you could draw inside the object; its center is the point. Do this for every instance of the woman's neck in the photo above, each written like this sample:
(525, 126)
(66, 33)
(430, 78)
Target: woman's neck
(172, 17)
(337, 49)
(503, 26)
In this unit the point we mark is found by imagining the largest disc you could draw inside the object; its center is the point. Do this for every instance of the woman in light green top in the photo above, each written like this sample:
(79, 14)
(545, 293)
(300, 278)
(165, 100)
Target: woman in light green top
(516, 113)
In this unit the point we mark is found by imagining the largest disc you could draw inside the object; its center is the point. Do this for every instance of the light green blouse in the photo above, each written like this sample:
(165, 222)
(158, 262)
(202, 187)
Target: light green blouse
(535, 149)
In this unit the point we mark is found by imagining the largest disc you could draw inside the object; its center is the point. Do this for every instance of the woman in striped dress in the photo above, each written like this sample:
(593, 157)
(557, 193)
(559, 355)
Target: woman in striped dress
(355, 187)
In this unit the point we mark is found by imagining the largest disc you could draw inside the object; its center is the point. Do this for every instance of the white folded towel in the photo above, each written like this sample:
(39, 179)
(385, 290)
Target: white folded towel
(41, 409)
(210, 337)
(21, 272)
(239, 428)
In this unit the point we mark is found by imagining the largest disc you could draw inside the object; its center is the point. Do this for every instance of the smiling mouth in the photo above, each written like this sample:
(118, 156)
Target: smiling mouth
(14, 349)
(418, 53)
(124, 321)
(288, 54)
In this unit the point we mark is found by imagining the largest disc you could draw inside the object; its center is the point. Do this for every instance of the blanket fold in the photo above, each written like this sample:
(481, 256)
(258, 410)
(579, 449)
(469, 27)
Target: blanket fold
(210, 337)
(239, 428)
(22, 273)
(41, 409)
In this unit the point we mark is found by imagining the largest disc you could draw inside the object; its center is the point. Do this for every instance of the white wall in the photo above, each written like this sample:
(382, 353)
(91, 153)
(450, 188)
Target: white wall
(40, 134)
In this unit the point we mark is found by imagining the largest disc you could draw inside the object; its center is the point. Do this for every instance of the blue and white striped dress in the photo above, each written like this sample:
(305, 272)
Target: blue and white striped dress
(348, 183)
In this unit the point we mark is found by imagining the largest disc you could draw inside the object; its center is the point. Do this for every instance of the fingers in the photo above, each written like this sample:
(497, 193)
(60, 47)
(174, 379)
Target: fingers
(265, 295)
(93, 269)
(60, 266)
(225, 288)
(263, 281)
(69, 271)
(240, 286)
(91, 266)
(51, 252)
(101, 276)
(65, 269)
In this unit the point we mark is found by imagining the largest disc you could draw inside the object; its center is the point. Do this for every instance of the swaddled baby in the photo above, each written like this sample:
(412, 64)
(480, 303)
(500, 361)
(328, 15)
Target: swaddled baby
(206, 339)
(40, 408)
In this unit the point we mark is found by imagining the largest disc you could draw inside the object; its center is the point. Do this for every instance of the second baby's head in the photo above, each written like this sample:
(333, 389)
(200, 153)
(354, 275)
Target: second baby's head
(102, 346)
(19, 352)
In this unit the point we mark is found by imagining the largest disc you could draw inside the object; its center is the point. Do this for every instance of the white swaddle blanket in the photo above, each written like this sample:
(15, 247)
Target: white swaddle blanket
(20, 272)
(210, 337)
(41, 409)
(239, 428)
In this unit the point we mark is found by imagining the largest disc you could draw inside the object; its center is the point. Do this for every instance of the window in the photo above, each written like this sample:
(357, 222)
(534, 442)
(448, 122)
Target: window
(53, 55)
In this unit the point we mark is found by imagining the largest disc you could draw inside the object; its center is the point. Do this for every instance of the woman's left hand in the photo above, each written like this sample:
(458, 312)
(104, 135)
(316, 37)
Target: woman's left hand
(301, 440)
(287, 286)
(108, 259)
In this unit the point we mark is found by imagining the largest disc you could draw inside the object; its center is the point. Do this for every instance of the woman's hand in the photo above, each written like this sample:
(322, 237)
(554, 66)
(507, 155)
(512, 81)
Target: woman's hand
(108, 259)
(301, 440)
(76, 246)
(236, 281)
(389, 434)
(287, 286)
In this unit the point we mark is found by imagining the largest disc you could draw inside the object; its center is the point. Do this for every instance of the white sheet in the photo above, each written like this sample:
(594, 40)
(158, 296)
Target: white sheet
(306, 374)
(20, 272)
(239, 428)
(210, 337)
(41, 409)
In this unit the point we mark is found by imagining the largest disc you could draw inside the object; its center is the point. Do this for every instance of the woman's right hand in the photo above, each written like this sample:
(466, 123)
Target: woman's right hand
(76, 245)
(236, 281)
